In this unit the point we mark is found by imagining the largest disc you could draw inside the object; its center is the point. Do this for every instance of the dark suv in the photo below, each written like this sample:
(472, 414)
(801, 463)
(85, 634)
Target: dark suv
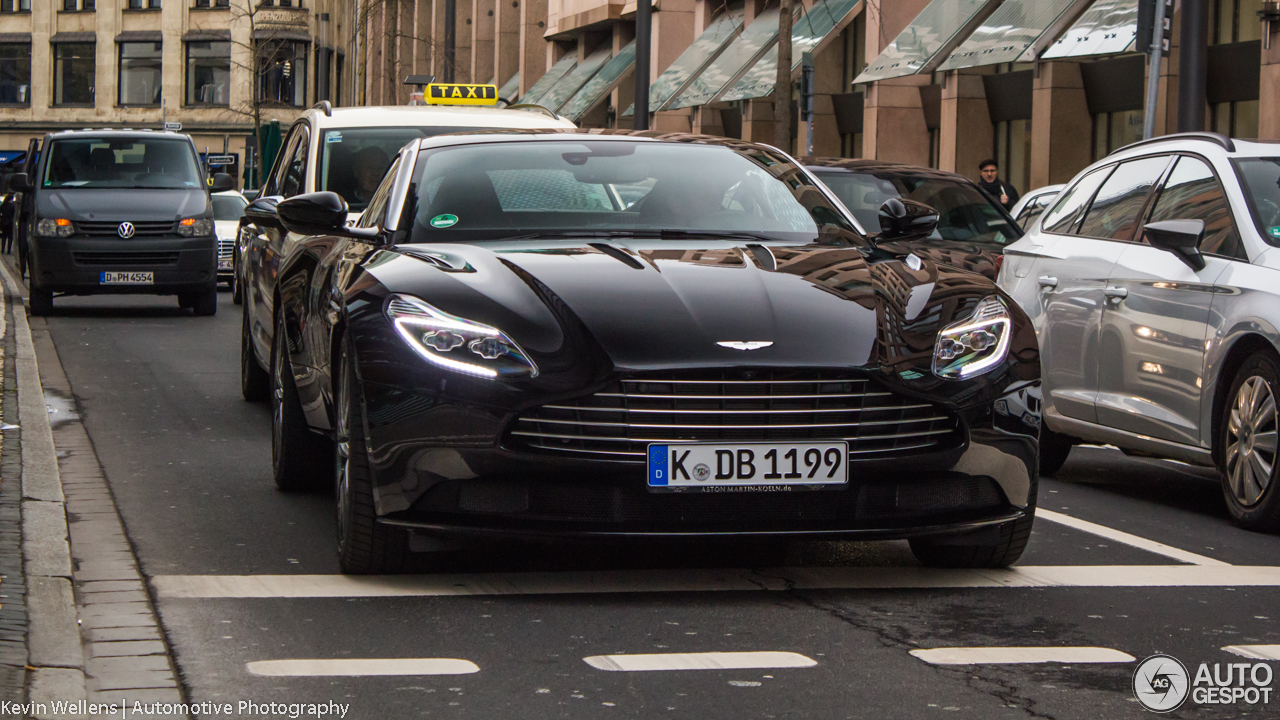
(120, 211)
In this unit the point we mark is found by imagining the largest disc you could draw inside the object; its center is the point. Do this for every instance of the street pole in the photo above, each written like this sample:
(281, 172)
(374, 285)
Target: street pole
(1193, 69)
(782, 84)
(644, 26)
(450, 37)
(806, 101)
(1153, 71)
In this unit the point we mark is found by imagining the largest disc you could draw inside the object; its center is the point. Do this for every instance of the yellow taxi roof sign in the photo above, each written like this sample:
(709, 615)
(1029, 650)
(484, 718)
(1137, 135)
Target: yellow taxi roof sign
(460, 94)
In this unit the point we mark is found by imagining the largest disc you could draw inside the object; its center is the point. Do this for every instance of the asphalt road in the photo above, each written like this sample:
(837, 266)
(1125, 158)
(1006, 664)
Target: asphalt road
(189, 465)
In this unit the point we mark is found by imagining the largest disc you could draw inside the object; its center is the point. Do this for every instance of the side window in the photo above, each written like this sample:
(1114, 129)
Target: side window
(276, 176)
(376, 212)
(294, 180)
(1118, 206)
(1193, 193)
(1072, 202)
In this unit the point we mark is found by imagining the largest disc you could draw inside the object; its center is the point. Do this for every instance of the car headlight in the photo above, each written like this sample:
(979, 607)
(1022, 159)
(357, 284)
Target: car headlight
(49, 227)
(456, 344)
(195, 227)
(976, 344)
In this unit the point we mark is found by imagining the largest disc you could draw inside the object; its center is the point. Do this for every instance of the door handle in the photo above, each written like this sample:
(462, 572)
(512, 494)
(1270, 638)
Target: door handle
(1116, 292)
(1046, 281)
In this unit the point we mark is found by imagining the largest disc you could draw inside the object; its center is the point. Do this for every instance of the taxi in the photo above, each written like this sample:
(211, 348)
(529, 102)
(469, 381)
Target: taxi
(346, 151)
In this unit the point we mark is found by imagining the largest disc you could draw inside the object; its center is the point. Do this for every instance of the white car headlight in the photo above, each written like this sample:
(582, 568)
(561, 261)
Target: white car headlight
(456, 344)
(195, 227)
(976, 344)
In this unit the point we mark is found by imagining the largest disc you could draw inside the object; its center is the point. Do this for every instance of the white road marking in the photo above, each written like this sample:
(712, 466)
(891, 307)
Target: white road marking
(1019, 655)
(361, 667)
(1123, 537)
(1255, 652)
(699, 661)
(730, 580)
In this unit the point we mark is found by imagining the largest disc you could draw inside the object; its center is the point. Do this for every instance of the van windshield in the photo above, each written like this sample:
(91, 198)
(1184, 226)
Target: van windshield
(121, 163)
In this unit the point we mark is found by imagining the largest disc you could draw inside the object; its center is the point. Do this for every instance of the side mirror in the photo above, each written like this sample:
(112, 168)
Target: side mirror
(262, 212)
(903, 219)
(222, 182)
(321, 213)
(20, 182)
(1180, 237)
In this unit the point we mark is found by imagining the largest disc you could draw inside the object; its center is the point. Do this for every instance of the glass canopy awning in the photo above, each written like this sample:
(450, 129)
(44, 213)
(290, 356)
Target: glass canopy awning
(693, 61)
(1106, 28)
(574, 79)
(809, 34)
(744, 51)
(1016, 32)
(600, 84)
(553, 76)
(510, 88)
(941, 26)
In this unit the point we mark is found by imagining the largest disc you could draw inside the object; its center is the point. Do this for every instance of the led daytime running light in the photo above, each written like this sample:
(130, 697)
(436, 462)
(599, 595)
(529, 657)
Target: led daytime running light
(419, 324)
(990, 321)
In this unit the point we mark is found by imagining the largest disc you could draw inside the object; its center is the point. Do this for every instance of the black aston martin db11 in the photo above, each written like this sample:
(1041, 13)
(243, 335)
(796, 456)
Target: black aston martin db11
(642, 334)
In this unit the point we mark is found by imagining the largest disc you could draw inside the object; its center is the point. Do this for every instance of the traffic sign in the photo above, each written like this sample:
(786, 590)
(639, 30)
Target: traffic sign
(172, 126)
(217, 160)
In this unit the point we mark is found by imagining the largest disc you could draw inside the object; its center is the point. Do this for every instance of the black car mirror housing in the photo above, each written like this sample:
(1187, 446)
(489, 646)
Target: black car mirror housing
(320, 213)
(1180, 237)
(19, 182)
(901, 219)
(222, 182)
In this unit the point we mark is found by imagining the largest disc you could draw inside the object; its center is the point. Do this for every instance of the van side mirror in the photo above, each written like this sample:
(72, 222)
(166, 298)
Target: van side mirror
(20, 182)
(222, 182)
(906, 219)
(1180, 237)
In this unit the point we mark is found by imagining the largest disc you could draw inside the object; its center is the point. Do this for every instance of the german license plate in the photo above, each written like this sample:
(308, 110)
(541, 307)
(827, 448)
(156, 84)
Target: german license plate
(127, 278)
(747, 465)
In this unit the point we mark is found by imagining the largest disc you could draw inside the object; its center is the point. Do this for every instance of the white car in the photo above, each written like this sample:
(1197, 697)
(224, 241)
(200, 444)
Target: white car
(228, 208)
(1031, 206)
(1152, 283)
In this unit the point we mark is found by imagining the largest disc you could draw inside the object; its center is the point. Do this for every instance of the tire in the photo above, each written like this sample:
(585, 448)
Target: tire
(365, 546)
(1054, 450)
(255, 383)
(300, 459)
(236, 294)
(40, 302)
(951, 552)
(1248, 440)
(186, 300)
(205, 303)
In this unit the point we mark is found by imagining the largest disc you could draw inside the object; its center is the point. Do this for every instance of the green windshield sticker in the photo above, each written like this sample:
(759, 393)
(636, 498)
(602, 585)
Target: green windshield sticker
(1275, 231)
(444, 221)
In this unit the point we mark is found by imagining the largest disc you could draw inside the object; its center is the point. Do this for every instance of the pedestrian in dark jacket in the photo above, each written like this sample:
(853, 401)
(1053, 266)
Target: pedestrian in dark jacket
(1003, 192)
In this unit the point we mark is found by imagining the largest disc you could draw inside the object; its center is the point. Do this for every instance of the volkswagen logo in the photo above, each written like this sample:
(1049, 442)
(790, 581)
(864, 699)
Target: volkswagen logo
(125, 230)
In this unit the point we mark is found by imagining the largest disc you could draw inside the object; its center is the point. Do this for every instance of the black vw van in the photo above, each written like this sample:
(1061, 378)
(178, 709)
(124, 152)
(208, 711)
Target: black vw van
(120, 211)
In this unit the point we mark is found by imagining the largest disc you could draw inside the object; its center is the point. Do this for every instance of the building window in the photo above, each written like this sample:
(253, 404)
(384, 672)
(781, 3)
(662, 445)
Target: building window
(21, 6)
(140, 79)
(280, 3)
(1013, 152)
(338, 60)
(854, 61)
(208, 73)
(15, 73)
(282, 72)
(73, 69)
(76, 5)
(1235, 21)
(322, 73)
(1114, 130)
(144, 4)
(213, 3)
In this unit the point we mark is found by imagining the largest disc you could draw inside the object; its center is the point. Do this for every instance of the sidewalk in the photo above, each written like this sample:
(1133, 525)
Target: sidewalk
(77, 621)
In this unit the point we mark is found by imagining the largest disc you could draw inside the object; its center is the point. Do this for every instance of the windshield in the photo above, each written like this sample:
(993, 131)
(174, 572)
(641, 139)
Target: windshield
(513, 189)
(121, 163)
(964, 213)
(229, 207)
(1261, 180)
(353, 160)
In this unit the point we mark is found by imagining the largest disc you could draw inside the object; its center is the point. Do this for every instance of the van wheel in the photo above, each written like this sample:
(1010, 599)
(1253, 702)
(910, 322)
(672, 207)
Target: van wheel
(205, 303)
(40, 301)
(1249, 445)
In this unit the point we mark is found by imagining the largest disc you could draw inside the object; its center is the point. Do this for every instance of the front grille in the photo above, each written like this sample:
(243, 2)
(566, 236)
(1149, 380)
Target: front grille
(225, 247)
(618, 422)
(112, 229)
(125, 259)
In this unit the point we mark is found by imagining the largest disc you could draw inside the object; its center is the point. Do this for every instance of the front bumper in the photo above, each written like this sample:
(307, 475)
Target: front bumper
(75, 265)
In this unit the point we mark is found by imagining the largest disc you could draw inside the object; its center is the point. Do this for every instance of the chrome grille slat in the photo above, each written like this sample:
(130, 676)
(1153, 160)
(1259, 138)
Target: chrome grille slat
(781, 406)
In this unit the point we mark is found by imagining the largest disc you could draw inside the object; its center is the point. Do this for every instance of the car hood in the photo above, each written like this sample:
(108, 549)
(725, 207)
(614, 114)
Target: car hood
(650, 304)
(120, 204)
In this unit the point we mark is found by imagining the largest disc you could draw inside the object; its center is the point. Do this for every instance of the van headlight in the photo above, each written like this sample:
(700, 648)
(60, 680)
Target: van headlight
(195, 227)
(457, 344)
(976, 344)
(49, 227)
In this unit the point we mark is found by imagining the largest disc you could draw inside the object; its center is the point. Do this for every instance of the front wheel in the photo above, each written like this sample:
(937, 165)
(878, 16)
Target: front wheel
(255, 383)
(1249, 445)
(205, 303)
(41, 302)
(988, 550)
(365, 546)
(300, 459)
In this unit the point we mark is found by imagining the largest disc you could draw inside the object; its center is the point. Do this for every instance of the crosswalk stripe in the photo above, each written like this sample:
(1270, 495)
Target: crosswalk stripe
(1255, 652)
(361, 667)
(1120, 536)
(735, 580)
(1020, 655)
(699, 661)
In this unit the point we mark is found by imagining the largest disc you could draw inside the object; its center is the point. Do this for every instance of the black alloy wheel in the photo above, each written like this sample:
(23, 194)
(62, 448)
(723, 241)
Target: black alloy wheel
(988, 550)
(365, 546)
(255, 383)
(300, 459)
(1249, 444)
